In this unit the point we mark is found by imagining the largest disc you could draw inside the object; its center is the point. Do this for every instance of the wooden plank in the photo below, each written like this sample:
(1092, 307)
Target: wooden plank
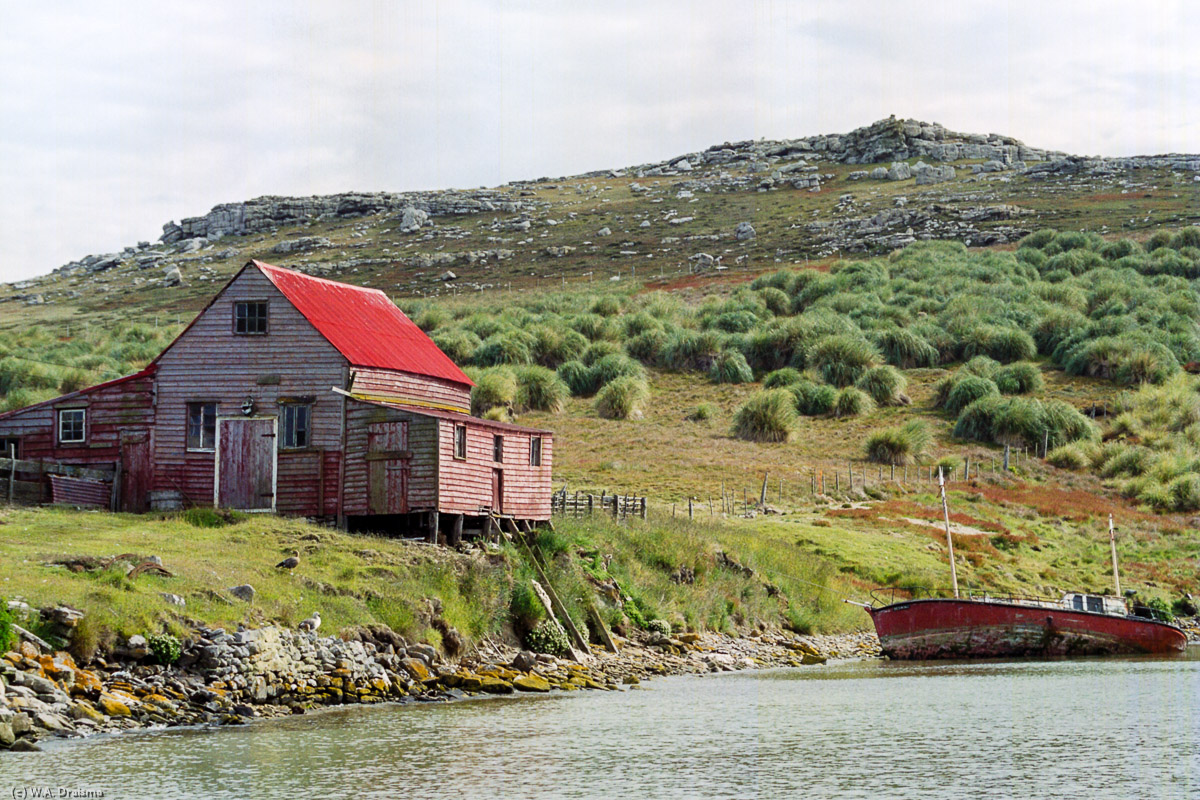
(93, 472)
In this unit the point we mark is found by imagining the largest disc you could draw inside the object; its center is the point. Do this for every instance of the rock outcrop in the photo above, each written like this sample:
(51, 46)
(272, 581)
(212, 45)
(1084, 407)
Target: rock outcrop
(271, 212)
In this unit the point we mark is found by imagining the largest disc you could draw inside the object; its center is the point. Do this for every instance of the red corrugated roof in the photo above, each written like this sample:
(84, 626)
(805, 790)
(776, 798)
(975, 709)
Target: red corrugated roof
(454, 416)
(364, 325)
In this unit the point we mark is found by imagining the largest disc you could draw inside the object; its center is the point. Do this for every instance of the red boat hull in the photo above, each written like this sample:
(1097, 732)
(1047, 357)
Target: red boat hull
(929, 629)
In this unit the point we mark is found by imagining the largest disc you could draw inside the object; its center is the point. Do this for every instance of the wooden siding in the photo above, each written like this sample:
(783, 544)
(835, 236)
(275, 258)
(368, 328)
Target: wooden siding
(416, 389)
(423, 463)
(209, 363)
(111, 409)
(466, 485)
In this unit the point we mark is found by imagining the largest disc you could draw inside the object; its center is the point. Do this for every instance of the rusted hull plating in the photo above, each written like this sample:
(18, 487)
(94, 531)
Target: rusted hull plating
(932, 629)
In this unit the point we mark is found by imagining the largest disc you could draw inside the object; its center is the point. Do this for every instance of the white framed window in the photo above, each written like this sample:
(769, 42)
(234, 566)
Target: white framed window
(297, 418)
(201, 427)
(72, 426)
(535, 451)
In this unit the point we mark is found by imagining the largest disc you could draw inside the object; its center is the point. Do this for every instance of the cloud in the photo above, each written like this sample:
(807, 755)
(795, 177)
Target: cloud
(121, 116)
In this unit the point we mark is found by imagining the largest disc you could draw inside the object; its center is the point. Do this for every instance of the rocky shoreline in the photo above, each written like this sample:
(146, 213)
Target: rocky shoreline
(224, 678)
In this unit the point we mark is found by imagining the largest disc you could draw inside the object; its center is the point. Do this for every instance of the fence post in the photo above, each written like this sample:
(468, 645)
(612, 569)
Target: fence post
(616, 506)
(643, 508)
(690, 516)
(12, 471)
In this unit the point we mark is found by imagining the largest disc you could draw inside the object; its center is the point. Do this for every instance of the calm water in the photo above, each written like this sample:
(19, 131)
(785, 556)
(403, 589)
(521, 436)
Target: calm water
(1086, 729)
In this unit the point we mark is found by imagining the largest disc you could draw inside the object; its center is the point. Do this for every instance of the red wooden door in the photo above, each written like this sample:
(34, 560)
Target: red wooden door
(245, 478)
(388, 459)
(135, 470)
(498, 491)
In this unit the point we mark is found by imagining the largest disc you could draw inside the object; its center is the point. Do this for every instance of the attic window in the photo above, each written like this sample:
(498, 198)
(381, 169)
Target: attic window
(497, 448)
(250, 318)
(535, 451)
(460, 441)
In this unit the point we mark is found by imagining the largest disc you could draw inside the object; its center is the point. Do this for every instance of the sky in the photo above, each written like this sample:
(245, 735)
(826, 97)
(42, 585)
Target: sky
(116, 117)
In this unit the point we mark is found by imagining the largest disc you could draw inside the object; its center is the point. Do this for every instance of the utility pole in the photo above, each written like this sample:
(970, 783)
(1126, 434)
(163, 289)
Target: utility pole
(1112, 541)
(949, 539)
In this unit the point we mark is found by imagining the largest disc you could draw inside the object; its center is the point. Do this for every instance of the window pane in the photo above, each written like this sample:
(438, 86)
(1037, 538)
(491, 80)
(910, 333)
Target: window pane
(201, 426)
(295, 419)
(535, 451)
(250, 317)
(71, 425)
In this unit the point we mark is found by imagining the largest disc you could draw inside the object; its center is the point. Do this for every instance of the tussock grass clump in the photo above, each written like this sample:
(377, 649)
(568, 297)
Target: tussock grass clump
(905, 348)
(1069, 456)
(539, 389)
(617, 365)
(852, 402)
(902, 444)
(1184, 492)
(1020, 378)
(782, 378)
(769, 416)
(458, 343)
(1021, 421)
(813, 399)
(705, 412)
(494, 387)
(842, 359)
(966, 390)
(1004, 344)
(510, 347)
(885, 385)
(598, 350)
(577, 376)
(730, 367)
(623, 397)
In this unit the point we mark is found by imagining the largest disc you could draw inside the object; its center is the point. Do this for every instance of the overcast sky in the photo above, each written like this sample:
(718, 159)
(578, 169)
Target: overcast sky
(116, 117)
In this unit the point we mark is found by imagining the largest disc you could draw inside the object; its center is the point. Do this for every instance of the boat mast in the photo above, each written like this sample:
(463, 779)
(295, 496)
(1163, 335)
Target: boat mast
(1112, 540)
(949, 540)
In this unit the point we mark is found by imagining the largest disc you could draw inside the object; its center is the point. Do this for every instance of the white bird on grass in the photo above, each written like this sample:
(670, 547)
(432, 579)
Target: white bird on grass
(312, 623)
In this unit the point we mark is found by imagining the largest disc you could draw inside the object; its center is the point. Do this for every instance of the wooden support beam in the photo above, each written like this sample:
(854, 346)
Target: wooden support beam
(93, 472)
(456, 531)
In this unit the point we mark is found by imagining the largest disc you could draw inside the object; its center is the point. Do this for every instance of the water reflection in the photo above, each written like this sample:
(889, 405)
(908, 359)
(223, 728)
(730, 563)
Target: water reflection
(1097, 728)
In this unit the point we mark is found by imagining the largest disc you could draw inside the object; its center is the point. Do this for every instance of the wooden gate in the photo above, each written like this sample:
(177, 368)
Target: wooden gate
(388, 459)
(135, 476)
(246, 460)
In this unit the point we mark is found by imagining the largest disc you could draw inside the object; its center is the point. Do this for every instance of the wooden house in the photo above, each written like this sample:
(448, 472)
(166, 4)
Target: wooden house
(297, 395)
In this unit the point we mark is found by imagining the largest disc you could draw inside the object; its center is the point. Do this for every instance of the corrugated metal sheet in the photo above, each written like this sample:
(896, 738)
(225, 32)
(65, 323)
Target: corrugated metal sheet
(79, 491)
(364, 325)
(438, 413)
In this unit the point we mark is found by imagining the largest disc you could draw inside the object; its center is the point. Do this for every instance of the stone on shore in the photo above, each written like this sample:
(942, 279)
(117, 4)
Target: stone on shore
(531, 683)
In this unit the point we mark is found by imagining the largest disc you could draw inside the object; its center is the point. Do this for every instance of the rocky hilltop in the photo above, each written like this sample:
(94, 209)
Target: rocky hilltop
(748, 204)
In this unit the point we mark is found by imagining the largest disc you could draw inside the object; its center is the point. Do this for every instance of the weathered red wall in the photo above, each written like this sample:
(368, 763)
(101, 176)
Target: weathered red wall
(466, 485)
(405, 387)
(210, 363)
(422, 442)
(127, 405)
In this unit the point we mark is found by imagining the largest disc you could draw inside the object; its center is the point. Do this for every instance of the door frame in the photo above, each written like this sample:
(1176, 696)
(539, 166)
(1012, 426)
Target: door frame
(274, 463)
(129, 436)
(498, 490)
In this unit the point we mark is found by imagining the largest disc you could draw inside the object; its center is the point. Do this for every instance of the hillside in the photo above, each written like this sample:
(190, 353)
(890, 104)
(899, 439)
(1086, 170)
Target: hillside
(638, 311)
(801, 200)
